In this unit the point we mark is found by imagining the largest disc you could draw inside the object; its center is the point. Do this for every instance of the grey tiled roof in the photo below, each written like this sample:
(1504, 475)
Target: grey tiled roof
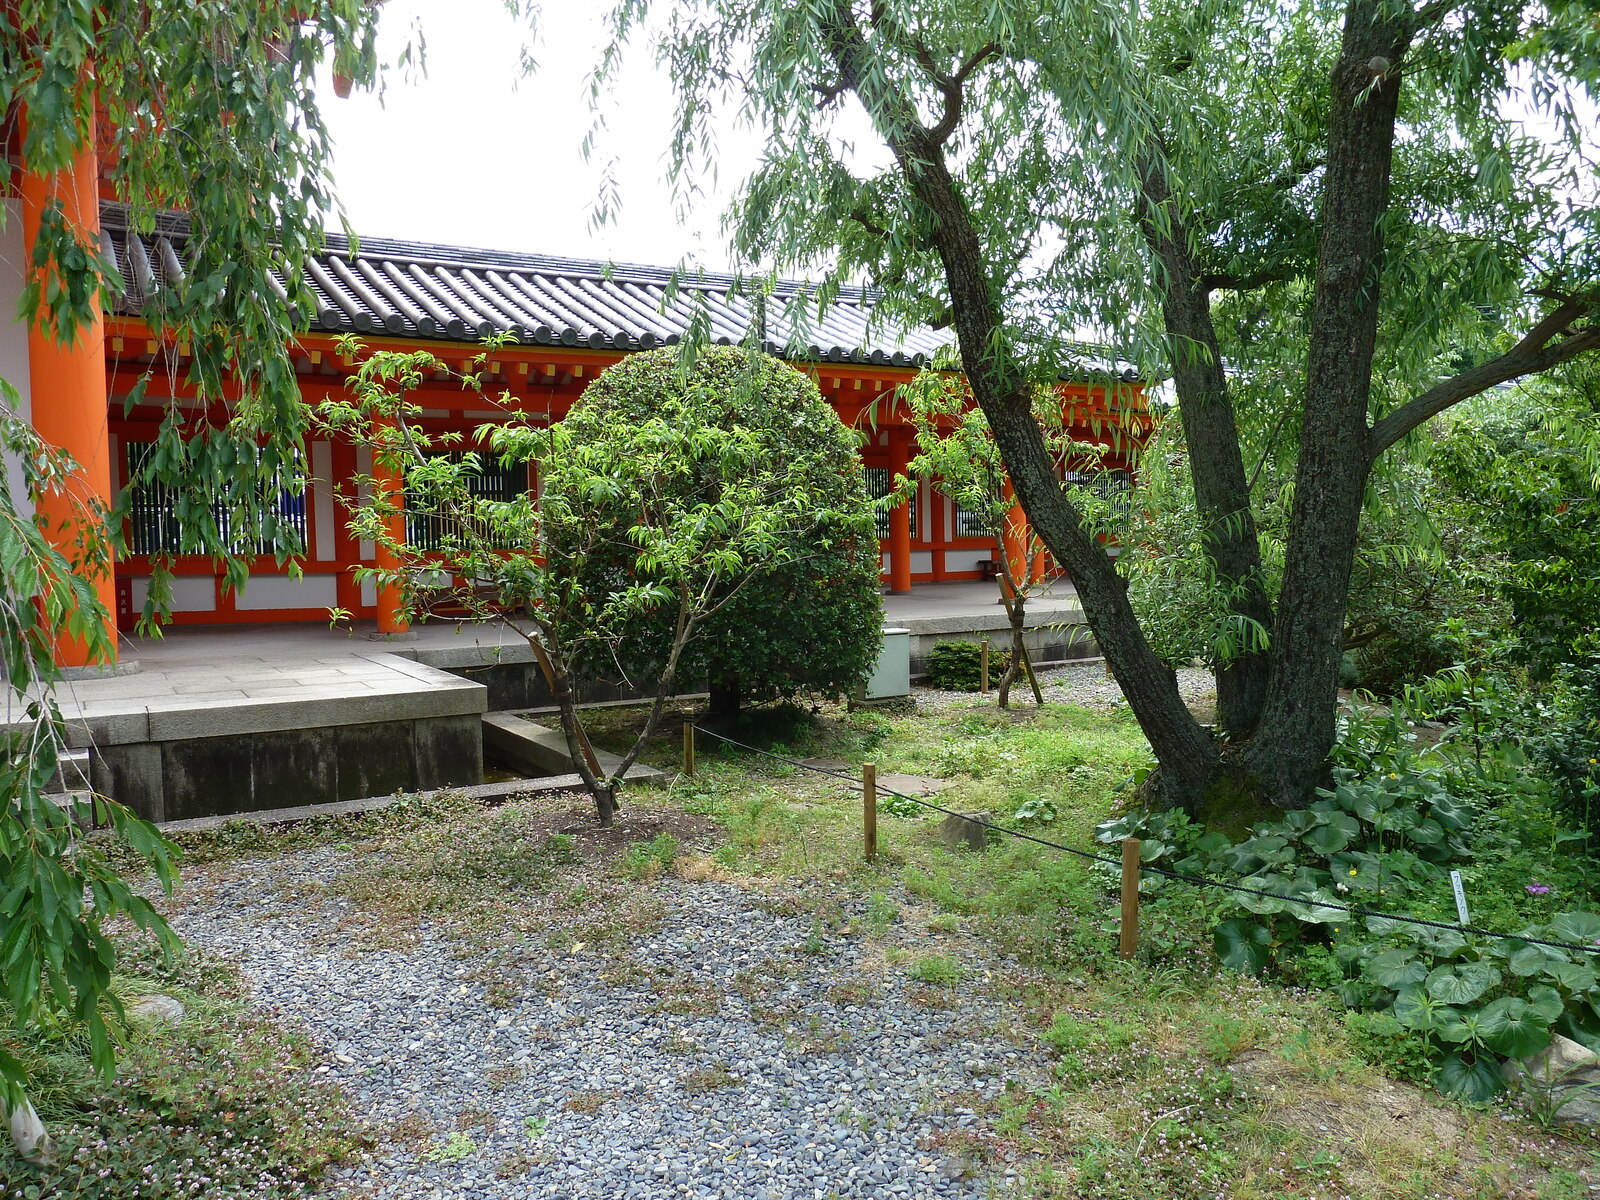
(418, 289)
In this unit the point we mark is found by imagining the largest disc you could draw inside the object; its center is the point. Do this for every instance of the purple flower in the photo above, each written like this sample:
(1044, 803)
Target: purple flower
(1537, 889)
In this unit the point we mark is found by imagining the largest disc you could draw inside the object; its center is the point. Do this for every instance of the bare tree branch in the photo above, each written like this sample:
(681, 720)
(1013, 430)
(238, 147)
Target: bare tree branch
(954, 88)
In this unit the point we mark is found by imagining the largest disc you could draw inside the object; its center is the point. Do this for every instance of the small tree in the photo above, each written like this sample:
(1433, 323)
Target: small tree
(957, 448)
(810, 618)
(648, 528)
(58, 888)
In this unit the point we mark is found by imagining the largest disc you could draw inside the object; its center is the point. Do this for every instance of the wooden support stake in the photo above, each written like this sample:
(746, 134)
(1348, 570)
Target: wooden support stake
(983, 667)
(1130, 898)
(1027, 665)
(869, 809)
(688, 749)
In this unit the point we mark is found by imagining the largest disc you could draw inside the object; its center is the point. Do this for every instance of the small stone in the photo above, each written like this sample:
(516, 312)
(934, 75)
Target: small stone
(962, 829)
(154, 1011)
(1564, 1077)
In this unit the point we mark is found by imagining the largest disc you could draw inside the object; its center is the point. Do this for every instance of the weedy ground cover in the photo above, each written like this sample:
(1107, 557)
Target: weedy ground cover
(1169, 1075)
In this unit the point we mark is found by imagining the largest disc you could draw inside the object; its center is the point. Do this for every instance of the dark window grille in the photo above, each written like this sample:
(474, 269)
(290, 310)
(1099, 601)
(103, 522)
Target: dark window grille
(427, 530)
(1114, 486)
(968, 524)
(878, 487)
(153, 526)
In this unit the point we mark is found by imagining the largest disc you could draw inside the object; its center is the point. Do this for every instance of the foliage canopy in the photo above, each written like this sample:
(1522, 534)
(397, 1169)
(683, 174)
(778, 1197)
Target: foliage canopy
(809, 620)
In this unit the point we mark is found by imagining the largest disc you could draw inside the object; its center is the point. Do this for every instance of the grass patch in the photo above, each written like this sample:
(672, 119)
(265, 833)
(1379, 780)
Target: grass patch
(941, 970)
(1171, 1079)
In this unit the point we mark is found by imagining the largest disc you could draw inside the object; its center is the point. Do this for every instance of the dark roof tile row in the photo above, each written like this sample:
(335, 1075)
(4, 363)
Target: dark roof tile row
(423, 290)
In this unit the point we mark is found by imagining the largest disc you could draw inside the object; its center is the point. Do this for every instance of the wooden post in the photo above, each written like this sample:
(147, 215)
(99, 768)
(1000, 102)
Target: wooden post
(1130, 898)
(869, 809)
(983, 667)
(688, 749)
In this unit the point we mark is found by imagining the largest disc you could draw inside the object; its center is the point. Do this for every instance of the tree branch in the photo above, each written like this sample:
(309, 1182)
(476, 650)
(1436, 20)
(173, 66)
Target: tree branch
(954, 88)
(1534, 353)
(1215, 280)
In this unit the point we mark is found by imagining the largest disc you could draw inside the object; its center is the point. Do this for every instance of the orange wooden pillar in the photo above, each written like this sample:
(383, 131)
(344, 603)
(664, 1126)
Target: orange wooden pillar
(390, 488)
(899, 515)
(1015, 534)
(68, 384)
(346, 546)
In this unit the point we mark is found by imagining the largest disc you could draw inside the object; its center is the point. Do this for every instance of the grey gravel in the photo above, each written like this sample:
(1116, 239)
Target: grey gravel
(1087, 684)
(836, 1096)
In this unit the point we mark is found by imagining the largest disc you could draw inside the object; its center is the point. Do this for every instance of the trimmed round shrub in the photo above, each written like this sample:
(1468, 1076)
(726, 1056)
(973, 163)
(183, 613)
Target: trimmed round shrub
(812, 621)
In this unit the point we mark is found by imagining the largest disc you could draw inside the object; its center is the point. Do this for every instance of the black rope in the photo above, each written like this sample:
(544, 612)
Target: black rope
(1198, 880)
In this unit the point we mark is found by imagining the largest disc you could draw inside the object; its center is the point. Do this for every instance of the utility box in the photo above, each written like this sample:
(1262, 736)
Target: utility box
(892, 676)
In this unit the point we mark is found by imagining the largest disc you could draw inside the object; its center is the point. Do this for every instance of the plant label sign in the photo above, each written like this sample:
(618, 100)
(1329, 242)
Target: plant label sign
(1461, 897)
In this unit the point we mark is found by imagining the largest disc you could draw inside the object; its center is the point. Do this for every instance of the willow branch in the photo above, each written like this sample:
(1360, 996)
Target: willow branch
(1538, 351)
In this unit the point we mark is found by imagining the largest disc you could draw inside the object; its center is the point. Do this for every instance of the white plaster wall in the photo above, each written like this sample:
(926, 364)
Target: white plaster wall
(279, 591)
(190, 593)
(13, 340)
(921, 562)
(965, 560)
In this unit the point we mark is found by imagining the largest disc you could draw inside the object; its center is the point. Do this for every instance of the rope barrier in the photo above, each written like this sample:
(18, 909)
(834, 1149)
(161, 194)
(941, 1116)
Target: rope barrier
(1198, 880)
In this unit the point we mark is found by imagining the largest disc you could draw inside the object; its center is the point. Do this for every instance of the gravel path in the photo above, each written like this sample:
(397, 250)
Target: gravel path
(1078, 683)
(734, 1052)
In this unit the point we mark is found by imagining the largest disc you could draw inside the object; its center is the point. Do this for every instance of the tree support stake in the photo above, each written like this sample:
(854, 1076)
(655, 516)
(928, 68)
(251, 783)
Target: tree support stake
(1129, 941)
(869, 810)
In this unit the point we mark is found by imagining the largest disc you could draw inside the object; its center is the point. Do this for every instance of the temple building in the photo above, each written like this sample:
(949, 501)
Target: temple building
(570, 319)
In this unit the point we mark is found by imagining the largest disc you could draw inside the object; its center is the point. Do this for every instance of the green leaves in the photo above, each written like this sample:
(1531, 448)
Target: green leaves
(1243, 946)
(1513, 1028)
(1582, 928)
(1416, 1009)
(1395, 969)
(1461, 983)
(1472, 1079)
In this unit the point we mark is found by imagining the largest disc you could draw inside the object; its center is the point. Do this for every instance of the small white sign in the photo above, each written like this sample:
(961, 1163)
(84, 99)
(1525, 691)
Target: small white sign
(1461, 897)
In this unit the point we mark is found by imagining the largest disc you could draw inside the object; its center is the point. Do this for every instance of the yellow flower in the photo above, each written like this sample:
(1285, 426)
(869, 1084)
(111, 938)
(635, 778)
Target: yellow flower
(1352, 870)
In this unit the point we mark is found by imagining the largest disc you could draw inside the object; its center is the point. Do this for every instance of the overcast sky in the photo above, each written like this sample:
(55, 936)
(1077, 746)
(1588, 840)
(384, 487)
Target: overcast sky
(472, 154)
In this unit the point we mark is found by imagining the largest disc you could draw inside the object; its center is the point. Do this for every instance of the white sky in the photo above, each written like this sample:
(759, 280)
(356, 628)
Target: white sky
(473, 154)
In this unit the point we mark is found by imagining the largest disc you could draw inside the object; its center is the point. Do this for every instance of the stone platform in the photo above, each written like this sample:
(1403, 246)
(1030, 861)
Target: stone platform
(183, 738)
(972, 612)
(214, 720)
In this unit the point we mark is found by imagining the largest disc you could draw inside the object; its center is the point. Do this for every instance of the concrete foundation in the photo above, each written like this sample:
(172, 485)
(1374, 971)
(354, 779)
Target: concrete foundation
(1055, 627)
(216, 776)
(244, 735)
(541, 750)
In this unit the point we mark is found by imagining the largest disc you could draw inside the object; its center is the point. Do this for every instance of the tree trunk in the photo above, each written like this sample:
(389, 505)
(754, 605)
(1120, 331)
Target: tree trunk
(1017, 668)
(1188, 757)
(1289, 753)
(726, 697)
(595, 778)
(1216, 462)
